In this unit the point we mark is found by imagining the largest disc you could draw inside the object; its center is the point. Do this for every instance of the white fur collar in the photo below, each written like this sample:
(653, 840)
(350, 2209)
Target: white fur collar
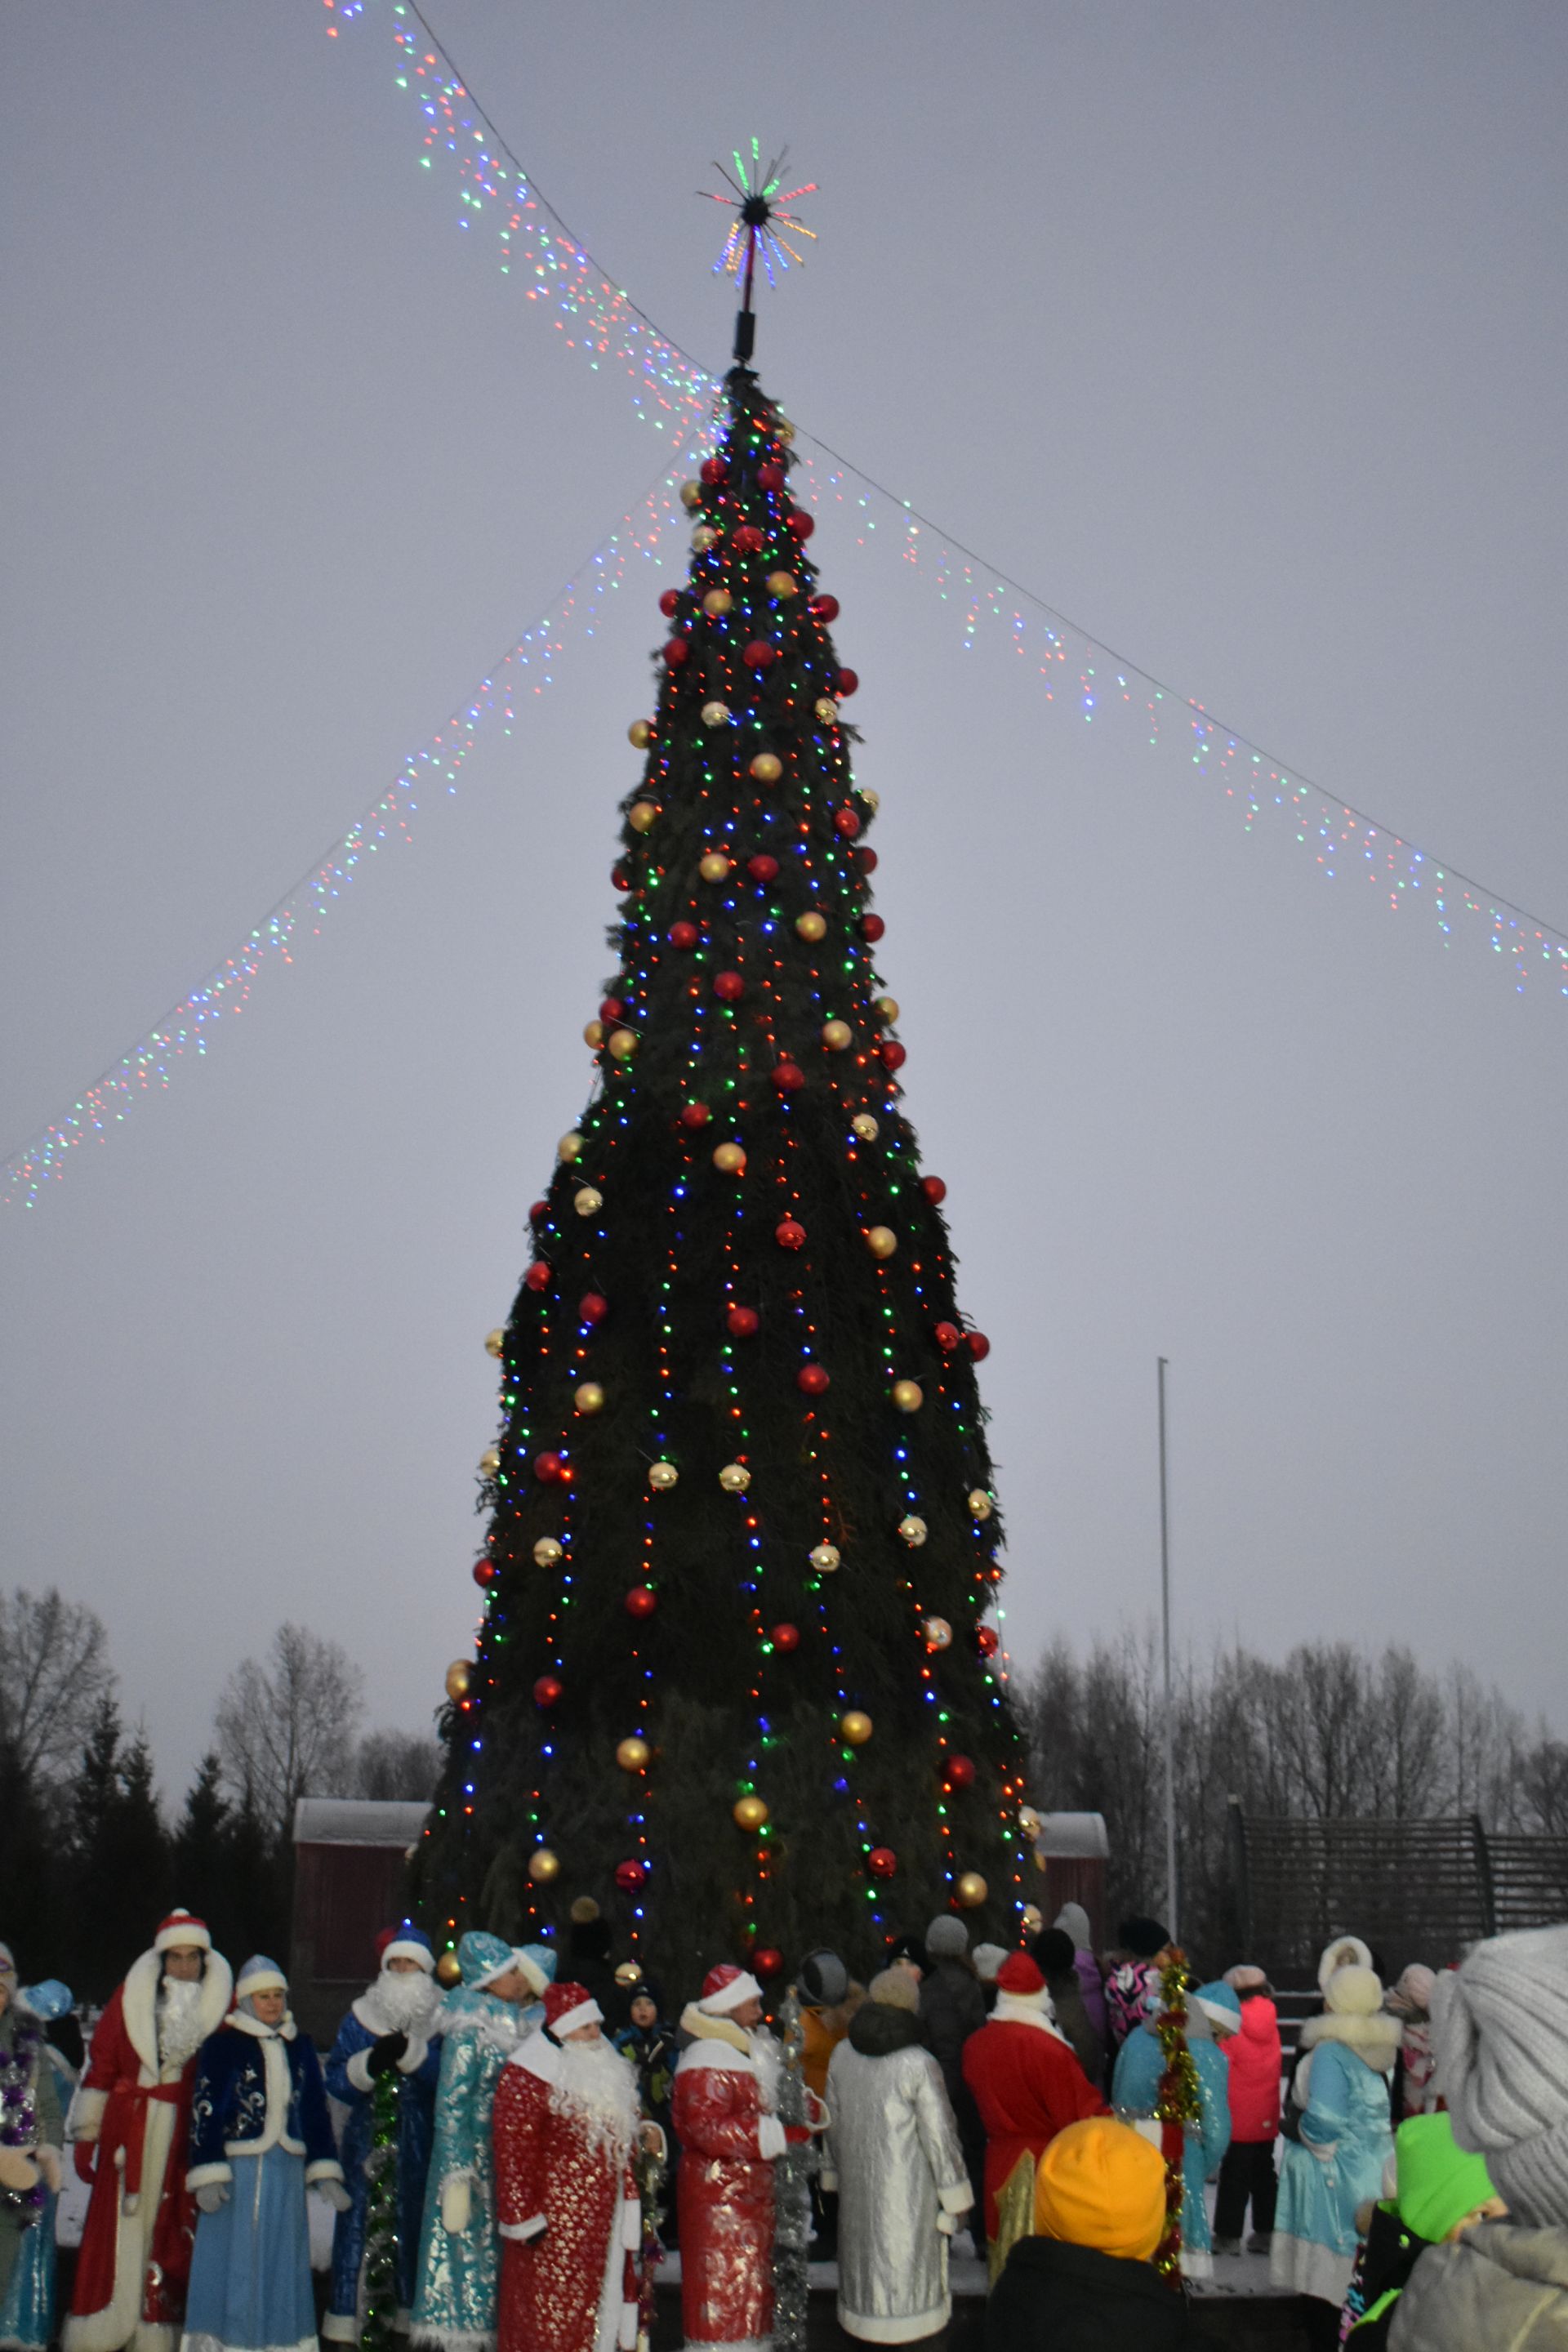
(703, 2028)
(139, 2003)
(1373, 2039)
(1013, 2009)
(537, 2056)
(243, 2022)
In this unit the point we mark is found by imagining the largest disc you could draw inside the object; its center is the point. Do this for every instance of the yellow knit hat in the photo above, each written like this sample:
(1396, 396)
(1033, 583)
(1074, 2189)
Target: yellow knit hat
(1101, 2184)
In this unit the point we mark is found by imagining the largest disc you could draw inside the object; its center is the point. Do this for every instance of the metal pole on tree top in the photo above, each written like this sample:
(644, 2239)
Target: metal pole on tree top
(1170, 1921)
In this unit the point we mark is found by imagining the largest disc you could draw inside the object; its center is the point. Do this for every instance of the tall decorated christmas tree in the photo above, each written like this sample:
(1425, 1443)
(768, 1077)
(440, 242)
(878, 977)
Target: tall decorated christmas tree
(735, 1678)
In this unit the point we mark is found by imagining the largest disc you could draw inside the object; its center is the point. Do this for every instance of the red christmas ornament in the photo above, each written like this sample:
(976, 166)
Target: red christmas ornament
(610, 1008)
(848, 682)
(742, 1322)
(683, 935)
(789, 1077)
(848, 822)
(747, 540)
(767, 1964)
(631, 1877)
(948, 1336)
(987, 1640)
(550, 1470)
(872, 928)
(669, 603)
(770, 477)
(713, 470)
(823, 609)
(537, 1276)
(785, 1637)
(676, 653)
(730, 986)
(799, 524)
(811, 1378)
(619, 879)
(641, 1601)
(547, 1690)
(934, 1189)
(866, 858)
(881, 1862)
(959, 1772)
(790, 1234)
(592, 1308)
(892, 1053)
(762, 869)
(979, 1346)
(484, 1574)
(759, 655)
(695, 1114)
(537, 1212)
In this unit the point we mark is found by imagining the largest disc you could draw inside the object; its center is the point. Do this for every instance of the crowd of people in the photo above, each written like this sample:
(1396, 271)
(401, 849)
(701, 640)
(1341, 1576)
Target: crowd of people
(508, 2157)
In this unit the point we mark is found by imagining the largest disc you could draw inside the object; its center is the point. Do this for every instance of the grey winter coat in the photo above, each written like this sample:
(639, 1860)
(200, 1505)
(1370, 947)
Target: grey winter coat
(1500, 2287)
(894, 2147)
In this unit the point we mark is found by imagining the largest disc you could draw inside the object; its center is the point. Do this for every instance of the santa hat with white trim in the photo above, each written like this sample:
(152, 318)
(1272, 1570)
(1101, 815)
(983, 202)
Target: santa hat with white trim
(406, 1943)
(181, 1932)
(727, 1987)
(567, 2006)
(1020, 1978)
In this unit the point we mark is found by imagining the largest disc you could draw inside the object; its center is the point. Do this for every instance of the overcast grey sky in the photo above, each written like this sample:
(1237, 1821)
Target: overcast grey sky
(1238, 333)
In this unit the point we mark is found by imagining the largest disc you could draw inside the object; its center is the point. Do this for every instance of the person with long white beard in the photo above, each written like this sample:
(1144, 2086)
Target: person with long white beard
(129, 2121)
(567, 2122)
(390, 2029)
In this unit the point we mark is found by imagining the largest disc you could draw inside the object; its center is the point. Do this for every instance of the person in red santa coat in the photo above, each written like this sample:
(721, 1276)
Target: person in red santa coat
(1027, 2085)
(565, 2125)
(129, 2121)
(726, 2089)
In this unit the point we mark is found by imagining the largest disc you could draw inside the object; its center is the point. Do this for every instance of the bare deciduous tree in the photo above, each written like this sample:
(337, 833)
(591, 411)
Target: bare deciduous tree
(286, 1729)
(392, 1764)
(54, 1676)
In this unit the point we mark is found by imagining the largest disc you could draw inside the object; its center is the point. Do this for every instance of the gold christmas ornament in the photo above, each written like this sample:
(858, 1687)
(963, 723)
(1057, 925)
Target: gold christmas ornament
(888, 1006)
(543, 1865)
(824, 1559)
(784, 430)
(643, 815)
(881, 1239)
(459, 1674)
(827, 709)
(1028, 1823)
(938, 1633)
(632, 1755)
(913, 1531)
(623, 1045)
(662, 1476)
(865, 1127)
(717, 601)
(593, 1034)
(855, 1727)
(715, 714)
(767, 767)
(836, 1035)
(908, 1395)
(448, 1972)
(714, 867)
(971, 1890)
(783, 584)
(704, 538)
(629, 1973)
(640, 733)
(589, 1396)
(691, 496)
(588, 1202)
(568, 1148)
(494, 1342)
(546, 1552)
(1031, 1918)
(872, 799)
(811, 924)
(980, 1503)
(730, 1159)
(734, 1478)
(490, 1461)
(749, 1812)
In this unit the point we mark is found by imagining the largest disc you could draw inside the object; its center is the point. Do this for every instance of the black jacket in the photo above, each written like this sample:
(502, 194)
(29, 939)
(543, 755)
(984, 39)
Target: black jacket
(952, 2007)
(1056, 2298)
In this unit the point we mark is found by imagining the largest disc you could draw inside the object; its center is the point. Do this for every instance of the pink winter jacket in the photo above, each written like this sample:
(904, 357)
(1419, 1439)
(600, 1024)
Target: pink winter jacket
(1254, 2057)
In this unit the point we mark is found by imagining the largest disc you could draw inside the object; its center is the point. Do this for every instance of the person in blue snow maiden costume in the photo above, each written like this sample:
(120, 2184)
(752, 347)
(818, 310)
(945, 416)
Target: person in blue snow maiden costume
(483, 2019)
(389, 2030)
(27, 2309)
(261, 2136)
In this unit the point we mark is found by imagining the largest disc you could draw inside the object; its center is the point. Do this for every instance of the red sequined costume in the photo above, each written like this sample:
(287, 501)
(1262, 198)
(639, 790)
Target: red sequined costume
(729, 2141)
(130, 2120)
(571, 2223)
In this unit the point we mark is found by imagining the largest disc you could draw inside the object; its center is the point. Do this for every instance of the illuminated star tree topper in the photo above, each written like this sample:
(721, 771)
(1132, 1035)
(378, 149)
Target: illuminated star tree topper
(758, 199)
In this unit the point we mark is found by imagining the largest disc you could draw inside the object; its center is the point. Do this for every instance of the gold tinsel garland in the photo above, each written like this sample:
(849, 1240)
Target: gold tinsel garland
(1178, 2105)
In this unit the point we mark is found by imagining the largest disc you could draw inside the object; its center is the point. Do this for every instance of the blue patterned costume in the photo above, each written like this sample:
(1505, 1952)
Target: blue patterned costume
(1135, 2085)
(348, 2081)
(27, 2310)
(460, 2268)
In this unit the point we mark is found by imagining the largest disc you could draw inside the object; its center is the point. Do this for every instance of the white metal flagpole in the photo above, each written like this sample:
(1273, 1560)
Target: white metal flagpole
(1170, 1921)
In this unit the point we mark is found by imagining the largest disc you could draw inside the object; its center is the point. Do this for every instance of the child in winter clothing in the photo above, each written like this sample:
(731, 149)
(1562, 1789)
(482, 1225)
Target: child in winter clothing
(1254, 2058)
(1145, 1944)
(1438, 2193)
(1085, 2282)
(650, 2046)
(1414, 2091)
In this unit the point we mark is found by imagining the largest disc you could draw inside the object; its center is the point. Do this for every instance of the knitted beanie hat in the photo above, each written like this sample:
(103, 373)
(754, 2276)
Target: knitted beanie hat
(894, 1988)
(1437, 2183)
(1073, 1920)
(1101, 2184)
(1501, 2029)
(947, 1939)
(824, 1980)
(1142, 1937)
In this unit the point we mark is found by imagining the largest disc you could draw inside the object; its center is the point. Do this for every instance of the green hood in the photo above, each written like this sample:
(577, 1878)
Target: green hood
(1438, 2183)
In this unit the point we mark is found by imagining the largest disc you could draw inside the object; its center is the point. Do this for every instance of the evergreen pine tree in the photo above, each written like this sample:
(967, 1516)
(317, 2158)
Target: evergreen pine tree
(28, 1869)
(735, 1678)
